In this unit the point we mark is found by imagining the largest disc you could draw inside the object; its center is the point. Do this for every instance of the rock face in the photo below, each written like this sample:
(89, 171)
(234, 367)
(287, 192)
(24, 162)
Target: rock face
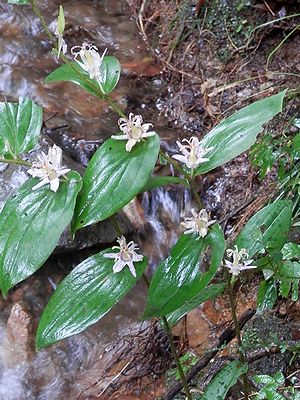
(13, 176)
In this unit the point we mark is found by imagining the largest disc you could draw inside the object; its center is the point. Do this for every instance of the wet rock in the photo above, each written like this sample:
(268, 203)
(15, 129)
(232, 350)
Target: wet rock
(19, 333)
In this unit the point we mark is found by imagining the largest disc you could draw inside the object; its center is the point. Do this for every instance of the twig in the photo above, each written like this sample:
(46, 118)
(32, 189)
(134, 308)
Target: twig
(225, 338)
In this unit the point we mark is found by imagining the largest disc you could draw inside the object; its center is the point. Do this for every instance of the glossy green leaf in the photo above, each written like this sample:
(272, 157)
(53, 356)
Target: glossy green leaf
(224, 380)
(267, 295)
(289, 269)
(295, 289)
(268, 228)
(20, 126)
(285, 287)
(290, 250)
(178, 279)
(113, 177)
(238, 133)
(18, 2)
(157, 181)
(111, 70)
(31, 224)
(210, 292)
(84, 296)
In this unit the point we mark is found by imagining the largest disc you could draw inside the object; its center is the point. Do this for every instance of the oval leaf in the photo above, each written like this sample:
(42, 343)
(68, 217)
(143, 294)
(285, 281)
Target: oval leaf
(18, 1)
(178, 279)
(224, 380)
(268, 228)
(266, 296)
(210, 292)
(237, 133)
(113, 177)
(31, 224)
(72, 72)
(83, 297)
(20, 126)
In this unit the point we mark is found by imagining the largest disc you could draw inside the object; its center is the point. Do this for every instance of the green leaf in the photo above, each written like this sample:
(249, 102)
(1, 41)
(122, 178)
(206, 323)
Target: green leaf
(289, 269)
(111, 70)
(31, 224)
(18, 1)
(113, 178)
(178, 279)
(296, 142)
(83, 297)
(238, 133)
(20, 126)
(157, 181)
(224, 380)
(267, 229)
(290, 250)
(61, 21)
(210, 292)
(266, 296)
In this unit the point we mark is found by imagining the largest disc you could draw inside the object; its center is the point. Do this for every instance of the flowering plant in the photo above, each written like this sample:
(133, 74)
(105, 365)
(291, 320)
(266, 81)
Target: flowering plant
(55, 197)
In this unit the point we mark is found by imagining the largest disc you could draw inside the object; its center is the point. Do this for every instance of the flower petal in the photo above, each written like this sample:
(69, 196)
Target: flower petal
(54, 184)
(130, 144)
(118, 266)
(131, 268)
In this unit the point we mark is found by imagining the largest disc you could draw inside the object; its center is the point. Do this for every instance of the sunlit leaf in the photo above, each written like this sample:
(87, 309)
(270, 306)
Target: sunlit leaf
(210, 292)
(178, 278)
(18, 2)
(267, 229)
(31, 224)
(113, 177)
(20, 126)
(83, 297)
(224, 380)
(111, 70)
(238, 133)
(267, 295)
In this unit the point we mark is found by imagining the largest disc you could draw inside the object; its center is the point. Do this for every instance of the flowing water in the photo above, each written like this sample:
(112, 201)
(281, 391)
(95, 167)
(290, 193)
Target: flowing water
(66, 369)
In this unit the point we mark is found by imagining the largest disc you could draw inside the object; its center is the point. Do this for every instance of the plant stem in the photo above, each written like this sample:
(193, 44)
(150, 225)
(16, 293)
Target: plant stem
(176, 358)
(173, 349)
(42, 20)
(195, 193)
(237, 331)
(16, 161)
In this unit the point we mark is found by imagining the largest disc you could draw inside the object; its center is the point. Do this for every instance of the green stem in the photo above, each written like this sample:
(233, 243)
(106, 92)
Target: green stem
(176, 358)
(16, 161)
(114, 106)
(173, 349)
(42, 20)
(195, 193)
(230, 283)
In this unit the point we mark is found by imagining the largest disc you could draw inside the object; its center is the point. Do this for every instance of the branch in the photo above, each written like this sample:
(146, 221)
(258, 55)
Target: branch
(225, 338)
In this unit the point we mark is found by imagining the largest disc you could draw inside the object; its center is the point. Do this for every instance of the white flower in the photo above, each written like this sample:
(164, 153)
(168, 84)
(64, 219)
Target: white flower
(198, 223)
(192, 153)
(91, 60)
(125, 256)
(48, 168)
(239, 261)
(59, 30)
(134, 130)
